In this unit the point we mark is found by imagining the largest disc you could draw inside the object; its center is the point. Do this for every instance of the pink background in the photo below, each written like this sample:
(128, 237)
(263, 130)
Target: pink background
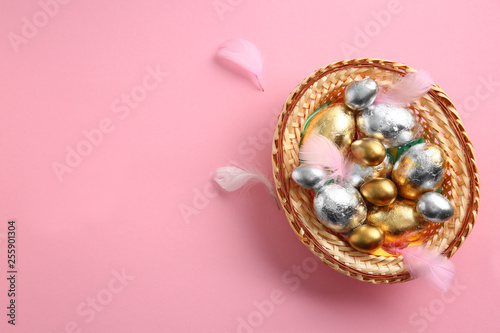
(218, 267)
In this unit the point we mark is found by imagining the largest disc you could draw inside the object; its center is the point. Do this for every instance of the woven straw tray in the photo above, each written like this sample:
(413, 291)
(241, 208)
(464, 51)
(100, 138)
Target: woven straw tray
(442, 125)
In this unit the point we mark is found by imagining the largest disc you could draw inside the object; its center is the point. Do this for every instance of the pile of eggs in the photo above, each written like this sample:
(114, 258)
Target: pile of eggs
(382, 205)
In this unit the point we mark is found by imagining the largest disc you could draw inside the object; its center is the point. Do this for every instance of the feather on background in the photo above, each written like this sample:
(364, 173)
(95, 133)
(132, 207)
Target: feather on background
(245, 55)
(430, 265)
(232, 178)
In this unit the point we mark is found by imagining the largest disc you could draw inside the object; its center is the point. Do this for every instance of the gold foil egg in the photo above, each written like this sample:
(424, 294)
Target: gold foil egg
(366, 238)
(368, 151)
(401, 223)
(379, 191)
(419, 170)
(362, 173)
(335, 122)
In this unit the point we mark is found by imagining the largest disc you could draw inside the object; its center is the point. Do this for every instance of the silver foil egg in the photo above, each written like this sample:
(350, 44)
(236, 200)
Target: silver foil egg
(362, 173)
(340, 208)
(360, 94)
(419, 170)
(393, 125)
(435, 207)
(310, 177)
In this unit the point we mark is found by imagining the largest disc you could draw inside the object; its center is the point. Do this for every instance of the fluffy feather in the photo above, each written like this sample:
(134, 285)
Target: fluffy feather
(232, 178)
(409, 89)
(318, 150)
(430, 265)
(245, 55)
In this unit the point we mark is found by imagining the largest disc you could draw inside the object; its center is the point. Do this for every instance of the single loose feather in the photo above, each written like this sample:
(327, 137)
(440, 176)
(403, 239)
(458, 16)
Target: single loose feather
(318, 150)
(409, 89)
(232, 178)
(430, 265)
(245, 55)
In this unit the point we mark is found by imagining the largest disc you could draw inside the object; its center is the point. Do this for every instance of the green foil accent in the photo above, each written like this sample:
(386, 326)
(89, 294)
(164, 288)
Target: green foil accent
(404, 148)
(308, 120)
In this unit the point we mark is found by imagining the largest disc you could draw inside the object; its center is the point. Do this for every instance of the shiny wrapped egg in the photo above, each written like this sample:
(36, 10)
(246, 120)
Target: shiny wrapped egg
(335, 122)
(339, 208)
(310, 177)
(360, 94)
(368, 151)
(419, 170)
(366, 238)
(379, 191)
(401, 223)
(393, 125)
(362, 173)
(435, 207)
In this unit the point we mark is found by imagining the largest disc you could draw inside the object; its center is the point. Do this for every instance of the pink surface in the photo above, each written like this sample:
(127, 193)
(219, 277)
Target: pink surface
(105, 247)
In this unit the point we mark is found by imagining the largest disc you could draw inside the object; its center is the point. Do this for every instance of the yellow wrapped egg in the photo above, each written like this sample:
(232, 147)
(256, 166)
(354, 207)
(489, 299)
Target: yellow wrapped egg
(368, 151)
(419, 170)
(367, 238)
(335, 122)
(379, 191)
(401, 223)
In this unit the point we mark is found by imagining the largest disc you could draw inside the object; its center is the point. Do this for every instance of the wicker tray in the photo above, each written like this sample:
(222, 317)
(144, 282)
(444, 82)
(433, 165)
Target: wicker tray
(442, 125)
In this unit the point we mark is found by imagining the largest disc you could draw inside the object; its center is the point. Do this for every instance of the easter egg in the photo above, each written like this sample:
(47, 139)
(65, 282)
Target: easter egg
(339, 208)
(335, 122)
(419, 170)
(310, 177)
(401, 223)
(435, 207)
(379, 191)
(368, 151)
(360, 94)
(393, 125)
(366, 238)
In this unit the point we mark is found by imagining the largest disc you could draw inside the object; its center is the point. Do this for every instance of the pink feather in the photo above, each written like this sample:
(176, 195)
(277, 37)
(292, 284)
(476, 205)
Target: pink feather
(430, 265)
(245, 55)
(412, 87)
(318, 150)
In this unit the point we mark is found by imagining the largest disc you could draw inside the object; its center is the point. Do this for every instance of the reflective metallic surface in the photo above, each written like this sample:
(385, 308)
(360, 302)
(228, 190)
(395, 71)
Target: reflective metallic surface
(400, 222)
(393, 125)
(340, 208)
(362, 173)
(379, 191)
(368, 151)
(435, 207)
(419, 170)
(335, 122)
(310, 177)
(360, 94)
(366, 238)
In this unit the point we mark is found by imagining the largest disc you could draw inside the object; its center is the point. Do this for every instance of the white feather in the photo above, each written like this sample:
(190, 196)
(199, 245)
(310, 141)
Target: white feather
(232, 178)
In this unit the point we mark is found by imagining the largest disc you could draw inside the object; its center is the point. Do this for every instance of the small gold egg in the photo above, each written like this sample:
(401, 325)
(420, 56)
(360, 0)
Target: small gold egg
(368, 151)
(379, 191)
(419, 170)
(401, 223)
(366, 238)
(335, 122)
